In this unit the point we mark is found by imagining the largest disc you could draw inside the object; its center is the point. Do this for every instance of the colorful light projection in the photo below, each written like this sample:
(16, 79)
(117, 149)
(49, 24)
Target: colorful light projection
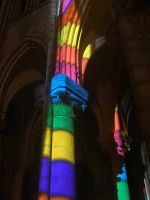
(44, 179)
(88, 52)
(122, 183)
(69, 36)
(57, 163)
(85, 58)
(57, 179)
(67, 51)
(65, 95)
(65, 5)
(117, 135)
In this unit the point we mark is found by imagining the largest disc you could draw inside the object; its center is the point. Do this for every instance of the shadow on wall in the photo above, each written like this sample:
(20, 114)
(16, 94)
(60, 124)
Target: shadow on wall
(85, 182)
(143, 2)
(93, 169)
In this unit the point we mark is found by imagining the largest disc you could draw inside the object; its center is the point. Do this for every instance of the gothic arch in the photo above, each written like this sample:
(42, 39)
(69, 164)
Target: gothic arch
(23, 124)
(26, 66)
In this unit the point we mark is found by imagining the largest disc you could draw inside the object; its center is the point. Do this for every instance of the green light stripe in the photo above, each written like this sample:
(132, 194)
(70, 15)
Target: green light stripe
(62, 109)
(63, 123)
(49, 116)
(63, 117)
(123, 190)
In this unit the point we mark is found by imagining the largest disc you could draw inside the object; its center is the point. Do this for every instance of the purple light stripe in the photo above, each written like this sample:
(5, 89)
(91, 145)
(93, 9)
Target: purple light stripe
(62, 179)
(45, 166)
(44, 180)
(66, 4)
(44, 185)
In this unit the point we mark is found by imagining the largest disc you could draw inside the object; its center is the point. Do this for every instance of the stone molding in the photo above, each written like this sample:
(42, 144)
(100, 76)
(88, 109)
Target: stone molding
(65, 90)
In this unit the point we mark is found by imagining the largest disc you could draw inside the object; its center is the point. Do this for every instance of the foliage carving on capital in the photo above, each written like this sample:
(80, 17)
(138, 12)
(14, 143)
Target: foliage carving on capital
(62, 109)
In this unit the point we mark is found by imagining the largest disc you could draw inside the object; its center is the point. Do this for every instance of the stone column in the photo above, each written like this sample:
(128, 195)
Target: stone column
(122, 182)
(66, 96)
(146, 163)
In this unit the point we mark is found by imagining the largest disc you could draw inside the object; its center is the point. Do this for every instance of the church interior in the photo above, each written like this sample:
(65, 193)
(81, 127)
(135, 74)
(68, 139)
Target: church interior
(74, 99)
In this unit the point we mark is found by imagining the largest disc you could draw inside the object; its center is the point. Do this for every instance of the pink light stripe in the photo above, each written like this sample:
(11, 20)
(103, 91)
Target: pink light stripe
(73, 73)
(57, 70)
(119, 143)
(63, 68)
(68, 70)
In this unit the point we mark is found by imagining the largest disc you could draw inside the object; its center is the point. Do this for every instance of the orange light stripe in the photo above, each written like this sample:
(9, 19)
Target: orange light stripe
(60, 198)
(84, 64)
(43, 197)
(116, 121)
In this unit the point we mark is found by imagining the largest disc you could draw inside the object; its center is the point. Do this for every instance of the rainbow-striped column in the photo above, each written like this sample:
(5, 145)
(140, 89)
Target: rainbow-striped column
(66, 95)
(122, 183)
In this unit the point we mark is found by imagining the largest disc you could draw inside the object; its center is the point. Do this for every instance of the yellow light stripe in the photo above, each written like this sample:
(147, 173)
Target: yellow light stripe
(71, 34)
(64, 33)
(46, 151)
(47, 143)
(63, 146)
(88, 51)
(78, 45)
(74, 43)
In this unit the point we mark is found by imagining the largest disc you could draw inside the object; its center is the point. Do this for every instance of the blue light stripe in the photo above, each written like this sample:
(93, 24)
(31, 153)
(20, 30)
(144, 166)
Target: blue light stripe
(62, 179)
(44, 180)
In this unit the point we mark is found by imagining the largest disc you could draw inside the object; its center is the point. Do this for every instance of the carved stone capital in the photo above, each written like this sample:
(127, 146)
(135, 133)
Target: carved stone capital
(62, 109)
(65, 90)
